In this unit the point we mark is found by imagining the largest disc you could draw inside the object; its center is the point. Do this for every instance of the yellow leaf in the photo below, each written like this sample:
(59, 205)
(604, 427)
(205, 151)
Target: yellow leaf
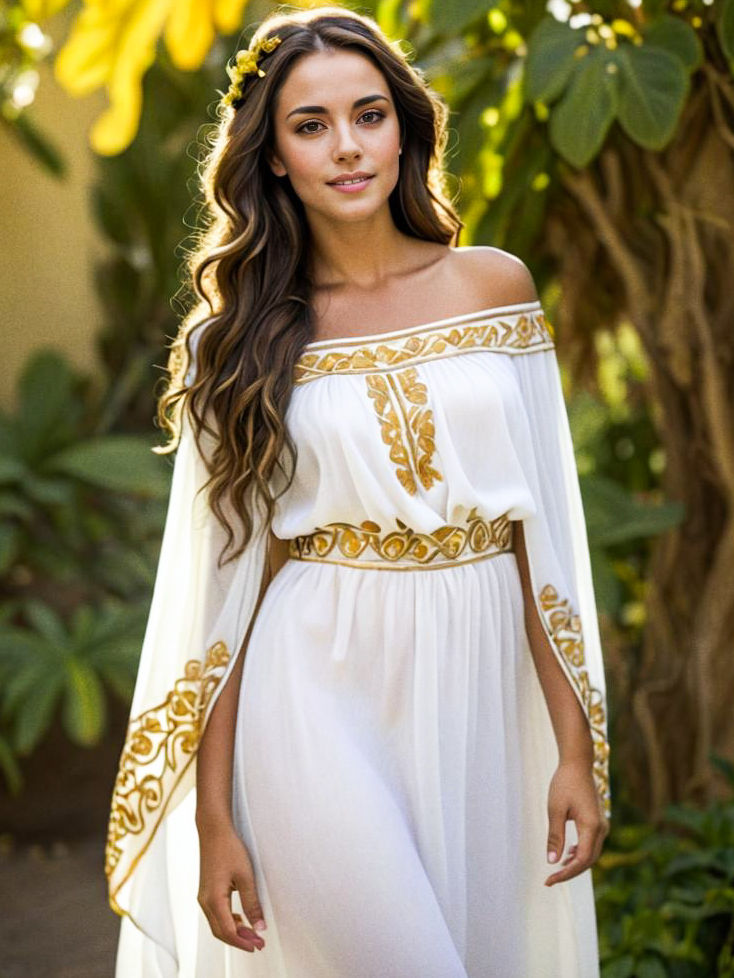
(116, 127)
(86, 59)
(189, 32)
(38, 10)
(138, 36)
(228, 15)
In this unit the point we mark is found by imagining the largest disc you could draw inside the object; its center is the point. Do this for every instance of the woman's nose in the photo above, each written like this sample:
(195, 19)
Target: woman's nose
(345, 142)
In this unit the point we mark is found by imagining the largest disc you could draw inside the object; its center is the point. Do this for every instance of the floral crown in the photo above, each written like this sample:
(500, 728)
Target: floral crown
(246, 64)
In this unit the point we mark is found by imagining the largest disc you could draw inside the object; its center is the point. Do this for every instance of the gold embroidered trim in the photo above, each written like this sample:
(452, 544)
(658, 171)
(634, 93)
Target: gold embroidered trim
(529, 332)
(564, 626)
(418, 426)
(159, 746)
(444, 546)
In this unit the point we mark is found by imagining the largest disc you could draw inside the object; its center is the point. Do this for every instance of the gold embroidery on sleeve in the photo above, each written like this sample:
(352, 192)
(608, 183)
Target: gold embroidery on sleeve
(564, 627)
(159, 746)
(418, 420)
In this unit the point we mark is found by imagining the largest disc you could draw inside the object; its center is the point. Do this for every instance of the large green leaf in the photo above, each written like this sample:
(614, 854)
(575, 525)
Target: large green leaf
(37, 713)
(613, 515)
(653, 89)
(676, 36)
(550, 61)
(48, 407)
(580, 121)
(123, 463)
(453, 17)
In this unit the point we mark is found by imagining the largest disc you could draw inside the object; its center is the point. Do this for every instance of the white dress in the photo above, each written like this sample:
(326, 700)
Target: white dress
(393, 748)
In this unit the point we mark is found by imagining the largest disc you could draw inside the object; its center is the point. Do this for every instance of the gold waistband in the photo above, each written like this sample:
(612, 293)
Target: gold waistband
(403, 549)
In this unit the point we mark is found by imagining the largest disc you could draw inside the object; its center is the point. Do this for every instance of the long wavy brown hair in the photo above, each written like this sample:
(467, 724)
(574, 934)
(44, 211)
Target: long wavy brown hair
(231, 363)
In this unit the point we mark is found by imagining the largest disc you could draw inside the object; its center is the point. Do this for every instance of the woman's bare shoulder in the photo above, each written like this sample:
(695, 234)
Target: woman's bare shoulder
(501, 277)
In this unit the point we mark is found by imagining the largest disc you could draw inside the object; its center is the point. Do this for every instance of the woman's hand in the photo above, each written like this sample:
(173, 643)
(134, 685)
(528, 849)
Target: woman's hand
(572, 794)
(226, 866)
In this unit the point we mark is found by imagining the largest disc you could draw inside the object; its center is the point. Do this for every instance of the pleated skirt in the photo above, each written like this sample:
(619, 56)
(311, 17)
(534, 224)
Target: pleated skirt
(392, 757)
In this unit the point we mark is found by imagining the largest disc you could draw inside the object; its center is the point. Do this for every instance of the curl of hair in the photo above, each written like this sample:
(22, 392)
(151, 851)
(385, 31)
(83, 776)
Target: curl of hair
(231, 363)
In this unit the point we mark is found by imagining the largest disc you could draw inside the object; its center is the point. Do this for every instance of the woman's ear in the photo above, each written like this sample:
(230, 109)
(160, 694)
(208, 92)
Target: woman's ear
(274, 162)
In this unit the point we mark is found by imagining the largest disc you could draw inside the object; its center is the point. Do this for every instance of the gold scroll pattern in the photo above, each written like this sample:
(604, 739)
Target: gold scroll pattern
(527, 333)
(447, 543)
(564, 626)
(159, 746)
(411, 398)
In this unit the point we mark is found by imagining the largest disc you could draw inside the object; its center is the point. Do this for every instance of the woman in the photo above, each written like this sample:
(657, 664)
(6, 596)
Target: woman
(392, 532)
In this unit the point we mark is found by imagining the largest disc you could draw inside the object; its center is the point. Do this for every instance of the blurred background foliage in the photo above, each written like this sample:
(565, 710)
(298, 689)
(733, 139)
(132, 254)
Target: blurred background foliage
(594, 140)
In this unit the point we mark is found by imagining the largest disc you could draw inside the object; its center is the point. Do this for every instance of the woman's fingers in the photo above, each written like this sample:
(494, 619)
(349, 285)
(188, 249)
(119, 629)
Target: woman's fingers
(224, 923)
(226, 867)
(247, 888)
(584, 853)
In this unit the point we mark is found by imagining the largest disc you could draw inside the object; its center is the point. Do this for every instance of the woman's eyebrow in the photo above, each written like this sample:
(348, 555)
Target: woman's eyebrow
(307, 109)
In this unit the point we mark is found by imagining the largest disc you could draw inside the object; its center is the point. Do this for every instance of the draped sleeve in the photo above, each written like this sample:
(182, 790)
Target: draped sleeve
(557, 544)
(198, 619)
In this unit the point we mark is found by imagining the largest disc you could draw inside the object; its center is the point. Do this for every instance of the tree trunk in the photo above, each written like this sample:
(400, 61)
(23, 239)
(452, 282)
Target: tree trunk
(660, 228)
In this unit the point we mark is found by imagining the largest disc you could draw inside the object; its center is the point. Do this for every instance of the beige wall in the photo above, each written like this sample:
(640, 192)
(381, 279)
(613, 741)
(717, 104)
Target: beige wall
(49, 241)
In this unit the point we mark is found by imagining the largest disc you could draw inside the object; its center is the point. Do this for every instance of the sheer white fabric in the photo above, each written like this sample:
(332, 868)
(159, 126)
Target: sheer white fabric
(393, 748)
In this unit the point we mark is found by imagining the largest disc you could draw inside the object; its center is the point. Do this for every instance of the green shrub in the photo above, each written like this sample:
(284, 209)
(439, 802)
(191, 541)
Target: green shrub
(81, 517)
(665, 896)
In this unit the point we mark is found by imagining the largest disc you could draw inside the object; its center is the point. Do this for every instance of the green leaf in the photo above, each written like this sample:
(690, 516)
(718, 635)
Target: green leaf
(111, 214)
(85, 709)
(580, 121)
(650, 967)
(123, 463)
(36, 714)
(620, 968)
(452, 18)
(10, 767)
(38, 144)
(48, 492)
(11, 469)
(614, 515)
(47, 623)
(550, 61)
(654, 85)
(676, 36)
(13, 504)
(47, 405)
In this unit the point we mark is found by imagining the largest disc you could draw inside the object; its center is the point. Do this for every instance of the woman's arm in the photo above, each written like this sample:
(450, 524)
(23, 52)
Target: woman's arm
(567, 715)
(216, 748)
(572, 792)
(225, 863)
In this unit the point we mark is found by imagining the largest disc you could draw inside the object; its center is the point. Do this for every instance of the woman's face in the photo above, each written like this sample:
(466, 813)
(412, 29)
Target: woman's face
(321, 133)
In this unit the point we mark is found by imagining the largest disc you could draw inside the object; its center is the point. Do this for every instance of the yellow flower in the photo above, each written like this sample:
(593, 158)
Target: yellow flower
(113, 43)
(246, 64)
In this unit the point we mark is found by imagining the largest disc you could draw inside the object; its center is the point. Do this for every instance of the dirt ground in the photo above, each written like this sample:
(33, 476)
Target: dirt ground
(55, 921)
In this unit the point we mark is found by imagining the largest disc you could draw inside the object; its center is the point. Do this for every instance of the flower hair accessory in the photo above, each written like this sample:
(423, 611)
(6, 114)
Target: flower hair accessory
(246, 64)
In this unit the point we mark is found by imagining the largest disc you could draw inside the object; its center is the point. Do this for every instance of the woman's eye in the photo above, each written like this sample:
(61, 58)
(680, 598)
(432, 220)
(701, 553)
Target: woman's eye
(375, 112)
(314, 122)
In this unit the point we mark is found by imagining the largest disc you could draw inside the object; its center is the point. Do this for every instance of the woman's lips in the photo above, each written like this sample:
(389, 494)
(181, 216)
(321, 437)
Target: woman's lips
(351, 187)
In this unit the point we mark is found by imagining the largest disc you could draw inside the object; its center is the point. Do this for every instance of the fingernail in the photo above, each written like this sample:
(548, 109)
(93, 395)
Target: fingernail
(260, 925)
(552, 857)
